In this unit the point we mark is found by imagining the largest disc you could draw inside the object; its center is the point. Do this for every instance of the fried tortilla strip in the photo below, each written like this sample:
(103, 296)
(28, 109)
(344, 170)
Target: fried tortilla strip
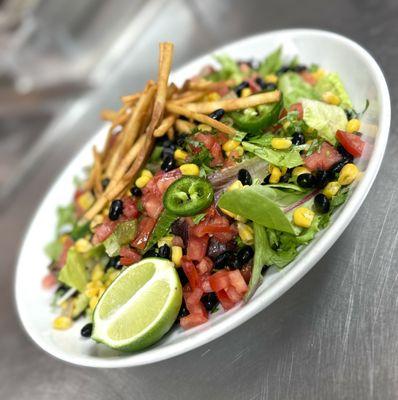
(176, 109)
(109, 115)
(189, 97)
(170, 133)
(97, 168)
(240, 103)
(131, 99)
(183, 126)
(208, 85)
(166, 124)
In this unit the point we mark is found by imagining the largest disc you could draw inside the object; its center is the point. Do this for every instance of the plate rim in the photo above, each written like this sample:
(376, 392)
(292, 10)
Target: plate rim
(259, 303)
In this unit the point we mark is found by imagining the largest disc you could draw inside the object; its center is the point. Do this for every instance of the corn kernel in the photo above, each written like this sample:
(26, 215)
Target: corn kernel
(245, 233)
(281, 143)
(229, 213)
(213, 96)
(93, 302)
(189, 169)
(246, 92)
(86, 200)
(331, 189)
(165, 240)
(235, 186)
(176, 255)
(180, 155)
(142, 181)
(91, 292)
(271, 78)
(331, 98)
(303, 217)
(97, 273)
(319, 73)
(300, 170)
(62, 323)
(146, 172)
(353, 125)
(275, 175)
(348, 174)
(230, 145)
(204, 128)
(82, 245)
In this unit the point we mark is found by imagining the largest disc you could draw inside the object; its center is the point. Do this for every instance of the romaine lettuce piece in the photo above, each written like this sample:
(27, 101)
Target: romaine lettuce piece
(332, 83)
(294, 88)
(74, 273)
(325, 118)
(123, 234)
(271, 63)
(229, 69)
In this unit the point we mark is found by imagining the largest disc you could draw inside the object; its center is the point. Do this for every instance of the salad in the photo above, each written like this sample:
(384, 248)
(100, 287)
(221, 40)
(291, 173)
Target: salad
(197, 192)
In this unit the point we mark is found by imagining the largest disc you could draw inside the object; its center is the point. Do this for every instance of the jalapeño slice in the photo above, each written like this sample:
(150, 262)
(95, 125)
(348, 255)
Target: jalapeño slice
(188, 196)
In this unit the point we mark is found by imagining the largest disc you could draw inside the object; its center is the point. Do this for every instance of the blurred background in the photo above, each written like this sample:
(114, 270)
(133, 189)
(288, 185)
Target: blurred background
(61, 62)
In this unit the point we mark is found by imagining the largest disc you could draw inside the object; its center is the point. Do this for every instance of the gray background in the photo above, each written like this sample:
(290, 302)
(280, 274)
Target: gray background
(333, 336)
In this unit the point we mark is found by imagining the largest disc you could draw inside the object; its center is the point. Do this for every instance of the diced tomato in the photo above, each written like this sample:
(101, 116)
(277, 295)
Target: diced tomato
(104, 230)
(233, 294)
(197, 247)
(216, 153)
(207, 140)
(216, 225)
(297, 107)
(192, 320)
(128, 256)
(308, 77)
(351, 142)
(205, 265)
(49, 281)
(152, 204)
(324, 159)
(193, 303)
(205, 283)
(190, 272)
(221, 137)
(67, 244)
(222, 90)
(177, 241)
(219, 280)
(145, 228)
(254, 87)
(165, 179)
(237, 281)
(130, 210)
(224, 299)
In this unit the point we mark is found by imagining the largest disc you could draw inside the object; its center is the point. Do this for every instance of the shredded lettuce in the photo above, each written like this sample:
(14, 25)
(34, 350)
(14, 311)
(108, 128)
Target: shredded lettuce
(294, 88)
(123, 234)
(53, 249)
(229, 69)
(271, 63)
(332, 83)
(74, 273)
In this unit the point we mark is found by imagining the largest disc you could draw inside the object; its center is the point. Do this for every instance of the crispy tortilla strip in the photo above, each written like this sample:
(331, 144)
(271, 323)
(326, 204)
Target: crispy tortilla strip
(183, 126)
(172, 90)
(97, 168)
(188, 97)
(109, 115)
(166, 124)
(176, 109)
(170, 133)
(208, 107)
(208, 85)
(131, 98)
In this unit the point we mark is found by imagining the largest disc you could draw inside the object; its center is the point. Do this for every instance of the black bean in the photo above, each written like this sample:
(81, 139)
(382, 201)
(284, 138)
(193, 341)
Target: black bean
(168, 149)
(245, 177)
(299, 68)
(336, 168)
(180, 228)
(349, 113)
(168, 164)
(284, 178)
(306, 181)
(238, 89)
(113, 262)
(265, 269)
(298, 139)
(269, 87)
(283, 69)
(105, 183)
(322, 178)
(116, 209)
(321, 203)
(215, 247)
(164, 251)
(217, 114)
(209, 300)
(180, 140)
(182, 276)
(152, 252)
(223, 260)
(266, 180)
(244, 255)
(87, 330)
(136, 191)
(346, 155)
(183, 310)
(260, 82)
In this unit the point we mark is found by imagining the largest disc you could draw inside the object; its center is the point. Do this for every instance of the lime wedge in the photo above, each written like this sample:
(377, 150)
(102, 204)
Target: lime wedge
(139, 307)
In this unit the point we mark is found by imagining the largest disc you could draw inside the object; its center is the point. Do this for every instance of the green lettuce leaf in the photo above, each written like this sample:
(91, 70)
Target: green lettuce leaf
(65, 216)
(229, 69)
(271, 63)
(294, 88)
(161, 228)
(332, 83)
(80, 305)
(325, 118)
(74, 272)
(53, 249)
(281, 158)
(123, 234)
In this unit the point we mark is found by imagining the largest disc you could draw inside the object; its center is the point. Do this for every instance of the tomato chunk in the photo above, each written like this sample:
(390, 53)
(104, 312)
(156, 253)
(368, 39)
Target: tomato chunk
(145, 228)
(128, 256)
(130, 210)
(351, 142)
(224, 299)
(297, 107)
(192, 320)
(197, 247)
(238, 282)
(219, 280)
(205, 265)
(324, 159)
(190, 272)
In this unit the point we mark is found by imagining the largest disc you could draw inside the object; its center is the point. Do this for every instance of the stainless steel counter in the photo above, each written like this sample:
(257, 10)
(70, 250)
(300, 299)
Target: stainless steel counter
(332, 336)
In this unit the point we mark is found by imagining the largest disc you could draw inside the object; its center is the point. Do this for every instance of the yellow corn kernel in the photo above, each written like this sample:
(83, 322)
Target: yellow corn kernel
(86, 200)
(91, 292)
(353, 125)
(97, 273)
(176, 255)
(281, 143)
(189, 169)
(331, 98)
(93, 302)
(97, 220)
(213, 96)
(146, 172)
(245, 233)
(142, 181)
(300, 170)
(283, 170)
(229, 213)
(230, 145)
(62, 323)
(271, 78)
(319, 73)
(204, 128)
(303, 217)
(82, 245)
(235, 186)
(275, 175)
(165, 240)
(246, 92)
(331, 189)
(180, 155)
(348, 174)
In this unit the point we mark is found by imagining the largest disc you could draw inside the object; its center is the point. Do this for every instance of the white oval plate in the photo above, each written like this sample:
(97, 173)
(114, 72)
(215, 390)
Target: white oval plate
(363, 79)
